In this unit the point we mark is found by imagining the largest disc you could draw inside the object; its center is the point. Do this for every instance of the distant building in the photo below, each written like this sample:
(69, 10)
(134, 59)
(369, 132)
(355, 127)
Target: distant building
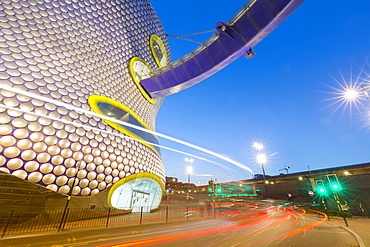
(175, 185)
(349, 185)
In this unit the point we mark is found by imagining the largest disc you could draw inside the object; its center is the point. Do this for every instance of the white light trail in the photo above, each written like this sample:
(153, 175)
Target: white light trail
(122, 136)
(77, 109)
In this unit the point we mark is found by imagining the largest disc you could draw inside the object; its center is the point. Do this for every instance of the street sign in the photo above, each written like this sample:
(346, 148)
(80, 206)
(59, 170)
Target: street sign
(310, 193)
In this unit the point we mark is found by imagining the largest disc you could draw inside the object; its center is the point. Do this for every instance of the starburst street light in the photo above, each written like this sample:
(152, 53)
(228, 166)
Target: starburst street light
(350, 94)
(261, 158)
(351, 91)
(258, 146)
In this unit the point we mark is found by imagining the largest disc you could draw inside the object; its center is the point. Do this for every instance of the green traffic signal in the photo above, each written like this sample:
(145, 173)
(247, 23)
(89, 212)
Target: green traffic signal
(218, 188)
(334, 182)
(320, 187)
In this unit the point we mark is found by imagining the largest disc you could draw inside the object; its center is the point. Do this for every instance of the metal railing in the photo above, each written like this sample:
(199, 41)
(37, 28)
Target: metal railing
(21, 222)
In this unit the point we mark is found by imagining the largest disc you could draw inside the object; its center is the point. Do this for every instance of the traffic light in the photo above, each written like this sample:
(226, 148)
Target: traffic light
(211, 184)
(334, 182)
(320, 187)
(218, 188)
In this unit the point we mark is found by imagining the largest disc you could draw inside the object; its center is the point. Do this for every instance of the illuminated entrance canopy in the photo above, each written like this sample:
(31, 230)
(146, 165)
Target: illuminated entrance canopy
(139, 192)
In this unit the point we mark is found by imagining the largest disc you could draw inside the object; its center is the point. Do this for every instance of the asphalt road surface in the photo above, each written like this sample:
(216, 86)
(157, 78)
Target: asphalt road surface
(248, 226)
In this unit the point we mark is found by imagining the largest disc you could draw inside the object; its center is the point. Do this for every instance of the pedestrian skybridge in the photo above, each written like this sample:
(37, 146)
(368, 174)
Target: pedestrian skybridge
(233, 39)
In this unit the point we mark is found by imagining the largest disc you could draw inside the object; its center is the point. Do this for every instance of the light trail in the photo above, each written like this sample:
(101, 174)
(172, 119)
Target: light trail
(115, 134)
(233, 227)
(255, 229)
(80, 110)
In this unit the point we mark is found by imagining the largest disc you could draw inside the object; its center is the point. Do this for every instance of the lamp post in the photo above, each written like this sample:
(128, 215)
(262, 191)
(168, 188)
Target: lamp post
(262, 159)
(189, 168)
(189, 171)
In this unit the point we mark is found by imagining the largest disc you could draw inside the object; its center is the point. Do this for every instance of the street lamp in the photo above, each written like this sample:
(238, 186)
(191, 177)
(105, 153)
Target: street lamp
(189, 168)
(258, 146)
(262, 159)
(189, 171)
(286, 168)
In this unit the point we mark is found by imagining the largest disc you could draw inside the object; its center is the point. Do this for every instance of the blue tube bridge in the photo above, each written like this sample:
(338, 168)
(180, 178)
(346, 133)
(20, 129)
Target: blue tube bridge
(232, 40)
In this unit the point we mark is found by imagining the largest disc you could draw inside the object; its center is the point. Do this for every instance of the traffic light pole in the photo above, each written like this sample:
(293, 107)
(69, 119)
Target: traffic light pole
(325, 207)
(343, 215)
(335, 187)
(337, 199)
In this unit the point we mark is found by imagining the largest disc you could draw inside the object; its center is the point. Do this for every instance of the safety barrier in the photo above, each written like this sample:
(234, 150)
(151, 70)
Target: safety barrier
(20, 222)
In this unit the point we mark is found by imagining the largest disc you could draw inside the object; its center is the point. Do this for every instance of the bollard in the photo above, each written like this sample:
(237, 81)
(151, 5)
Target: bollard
(167, 214)
(65, 220)
(7, 223)
(141, 215)
(106, 225)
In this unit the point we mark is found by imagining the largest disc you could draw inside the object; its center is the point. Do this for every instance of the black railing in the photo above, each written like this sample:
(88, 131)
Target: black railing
(24, 222)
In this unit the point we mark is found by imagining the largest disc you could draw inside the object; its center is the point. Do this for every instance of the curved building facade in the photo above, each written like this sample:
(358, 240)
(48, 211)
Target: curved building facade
(64, 65)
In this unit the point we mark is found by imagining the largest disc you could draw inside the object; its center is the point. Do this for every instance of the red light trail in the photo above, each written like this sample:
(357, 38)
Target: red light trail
(242, 226)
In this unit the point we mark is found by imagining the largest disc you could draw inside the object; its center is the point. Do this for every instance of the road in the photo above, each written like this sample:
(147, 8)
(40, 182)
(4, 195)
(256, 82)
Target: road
(243, 226)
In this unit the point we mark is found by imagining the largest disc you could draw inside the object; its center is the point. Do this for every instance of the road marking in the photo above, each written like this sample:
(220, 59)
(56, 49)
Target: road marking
(128, 236)
(358, 238)
(71, 239)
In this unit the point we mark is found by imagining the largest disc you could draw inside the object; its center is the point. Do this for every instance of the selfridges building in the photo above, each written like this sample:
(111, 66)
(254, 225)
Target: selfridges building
(64, 65)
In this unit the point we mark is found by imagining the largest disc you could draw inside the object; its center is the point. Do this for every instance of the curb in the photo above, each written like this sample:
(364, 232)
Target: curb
(358, 238)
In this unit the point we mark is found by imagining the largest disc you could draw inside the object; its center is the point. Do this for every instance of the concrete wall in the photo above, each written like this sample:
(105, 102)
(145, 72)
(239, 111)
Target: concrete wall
(355, 192)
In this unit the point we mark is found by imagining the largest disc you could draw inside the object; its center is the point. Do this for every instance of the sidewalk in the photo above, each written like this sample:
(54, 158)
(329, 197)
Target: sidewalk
(359, 227)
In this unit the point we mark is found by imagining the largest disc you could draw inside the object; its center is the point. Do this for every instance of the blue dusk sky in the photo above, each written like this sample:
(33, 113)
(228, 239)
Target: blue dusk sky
(283, 97)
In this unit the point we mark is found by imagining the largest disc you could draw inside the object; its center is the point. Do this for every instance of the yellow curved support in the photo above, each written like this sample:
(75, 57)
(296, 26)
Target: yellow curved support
(94, 101)
(137, 82)
(153, 38)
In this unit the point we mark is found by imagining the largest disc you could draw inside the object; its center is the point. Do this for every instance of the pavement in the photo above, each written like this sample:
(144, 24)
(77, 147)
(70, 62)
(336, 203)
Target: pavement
(358, 227)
